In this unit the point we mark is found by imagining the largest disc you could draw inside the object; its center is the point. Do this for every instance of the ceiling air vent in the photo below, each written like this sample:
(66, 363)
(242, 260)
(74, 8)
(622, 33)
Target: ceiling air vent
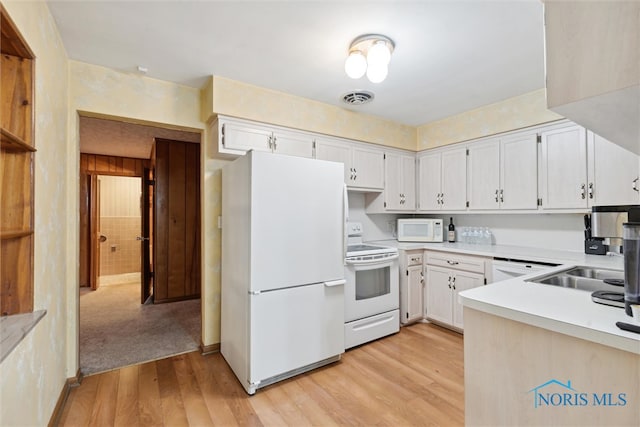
(357, 97)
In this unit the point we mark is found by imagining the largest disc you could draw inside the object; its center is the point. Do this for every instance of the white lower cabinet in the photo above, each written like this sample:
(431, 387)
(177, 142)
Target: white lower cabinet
(446, 275)
(411, 286)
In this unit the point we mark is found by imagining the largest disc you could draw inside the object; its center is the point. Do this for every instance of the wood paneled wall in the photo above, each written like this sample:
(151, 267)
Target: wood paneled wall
(94, 164)
(177, 215)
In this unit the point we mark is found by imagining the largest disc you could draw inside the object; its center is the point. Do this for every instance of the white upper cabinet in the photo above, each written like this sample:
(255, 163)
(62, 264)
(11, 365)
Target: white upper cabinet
(519, 172)
(503, 173)
(399, 182)
(335, 151)
(292, 143)
(364, 167)
(236, 137)
(563, 168)
(429, 171)
(442, 180)
(614, 173)
(368, 168)
(483, 180)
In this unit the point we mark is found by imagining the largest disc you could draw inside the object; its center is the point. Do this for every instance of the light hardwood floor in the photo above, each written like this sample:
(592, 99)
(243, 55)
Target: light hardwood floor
(412, 378)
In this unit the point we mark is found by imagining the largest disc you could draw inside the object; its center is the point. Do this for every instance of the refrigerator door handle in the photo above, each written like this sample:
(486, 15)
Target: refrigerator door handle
(345, 218)
(333, 283)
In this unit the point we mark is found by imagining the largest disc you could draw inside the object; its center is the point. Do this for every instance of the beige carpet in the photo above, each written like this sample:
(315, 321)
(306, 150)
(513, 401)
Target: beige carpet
(116, 330)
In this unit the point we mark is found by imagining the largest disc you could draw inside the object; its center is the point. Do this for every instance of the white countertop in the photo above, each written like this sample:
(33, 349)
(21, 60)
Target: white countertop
(551, 256)
(564, 310)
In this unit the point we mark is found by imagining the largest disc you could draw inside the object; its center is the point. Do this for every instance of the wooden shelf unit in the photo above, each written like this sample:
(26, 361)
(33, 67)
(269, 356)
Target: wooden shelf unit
(17, 66)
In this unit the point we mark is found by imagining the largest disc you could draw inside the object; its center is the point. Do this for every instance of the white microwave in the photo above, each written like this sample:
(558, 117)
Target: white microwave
(420, 230)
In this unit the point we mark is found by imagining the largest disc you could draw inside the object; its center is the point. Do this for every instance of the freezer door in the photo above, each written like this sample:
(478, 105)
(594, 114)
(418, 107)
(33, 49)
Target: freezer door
(297, 221)
(295, 327)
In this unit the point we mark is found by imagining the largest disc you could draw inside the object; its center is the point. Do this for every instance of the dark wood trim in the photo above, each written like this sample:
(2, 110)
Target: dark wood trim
(64, 396)
(209, 349)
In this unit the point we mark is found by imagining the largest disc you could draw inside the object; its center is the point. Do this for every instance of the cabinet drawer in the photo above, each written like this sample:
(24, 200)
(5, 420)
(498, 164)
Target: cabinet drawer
(414, 258)
(456, 261)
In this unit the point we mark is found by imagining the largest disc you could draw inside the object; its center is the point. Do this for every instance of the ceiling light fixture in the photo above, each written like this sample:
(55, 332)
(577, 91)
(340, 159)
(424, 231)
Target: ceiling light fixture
(369, 54)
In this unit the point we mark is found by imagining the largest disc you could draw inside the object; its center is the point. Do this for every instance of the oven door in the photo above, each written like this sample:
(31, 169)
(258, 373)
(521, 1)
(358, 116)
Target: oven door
(371, 288)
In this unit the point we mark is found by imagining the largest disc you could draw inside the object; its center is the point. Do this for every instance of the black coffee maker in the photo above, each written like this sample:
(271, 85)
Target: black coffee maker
(631, 249)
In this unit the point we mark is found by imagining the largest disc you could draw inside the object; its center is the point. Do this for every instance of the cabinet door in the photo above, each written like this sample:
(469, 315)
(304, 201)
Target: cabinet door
(238, 136)
(408, 172)
(415, 280)
(519, 172)
(461, 281)
(454, 179)
(335, 152)
(293, 144)
(393, 181)
(564, 168)
(429, 171)
(483, 181)
(368, 166)
(613, 178)
(438, 292)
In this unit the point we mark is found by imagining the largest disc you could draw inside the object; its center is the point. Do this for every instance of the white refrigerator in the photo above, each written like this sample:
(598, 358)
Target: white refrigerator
(282, 291)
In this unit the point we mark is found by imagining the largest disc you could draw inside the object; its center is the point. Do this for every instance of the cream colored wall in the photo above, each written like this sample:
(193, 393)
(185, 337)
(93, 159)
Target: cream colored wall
(513, 113)
(103, 92)
(233, 98)
(33, 375)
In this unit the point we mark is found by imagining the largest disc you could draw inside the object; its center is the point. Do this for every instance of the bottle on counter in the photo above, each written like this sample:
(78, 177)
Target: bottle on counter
(451, 235)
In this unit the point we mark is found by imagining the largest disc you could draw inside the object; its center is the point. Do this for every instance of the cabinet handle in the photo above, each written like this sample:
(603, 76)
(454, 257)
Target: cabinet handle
(635, 184)
(352, 175)
(442, 198)
(449, 282)
(453, 284)
(355, 174)
(452, 262)
(275, 143)
(591, 190)
(497, 196)
(501, 196)
(583, 193)
(270, 142)
(422, 277)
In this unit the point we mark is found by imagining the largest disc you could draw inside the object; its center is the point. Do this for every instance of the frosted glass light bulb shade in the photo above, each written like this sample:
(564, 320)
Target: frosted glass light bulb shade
(377, 73)
(355, 65)
(379, 54)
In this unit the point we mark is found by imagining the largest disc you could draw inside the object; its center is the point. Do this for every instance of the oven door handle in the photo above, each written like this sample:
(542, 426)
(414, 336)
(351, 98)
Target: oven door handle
(371, 261)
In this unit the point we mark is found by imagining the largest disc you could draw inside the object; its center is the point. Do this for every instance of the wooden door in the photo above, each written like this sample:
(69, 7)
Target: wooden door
(95, 232)
(147, 236)
(176, 245)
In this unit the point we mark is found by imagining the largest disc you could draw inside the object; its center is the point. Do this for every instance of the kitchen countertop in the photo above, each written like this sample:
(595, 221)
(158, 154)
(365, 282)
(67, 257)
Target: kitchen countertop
(564, 310)
(523, 253)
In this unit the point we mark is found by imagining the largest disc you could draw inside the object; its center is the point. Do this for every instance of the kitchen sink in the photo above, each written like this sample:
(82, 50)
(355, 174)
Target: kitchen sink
(596, 273)
(585, 279)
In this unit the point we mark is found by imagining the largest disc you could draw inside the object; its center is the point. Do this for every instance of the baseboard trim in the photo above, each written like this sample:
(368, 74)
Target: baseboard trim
(62, 399)
(209, 349)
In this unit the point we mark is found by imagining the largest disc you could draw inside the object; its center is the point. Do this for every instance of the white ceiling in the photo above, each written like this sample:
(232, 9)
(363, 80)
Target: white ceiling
(450, 56)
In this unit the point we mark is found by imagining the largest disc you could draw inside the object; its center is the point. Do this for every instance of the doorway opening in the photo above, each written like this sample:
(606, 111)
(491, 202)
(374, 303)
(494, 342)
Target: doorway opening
(128, 312)
(120, 231)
